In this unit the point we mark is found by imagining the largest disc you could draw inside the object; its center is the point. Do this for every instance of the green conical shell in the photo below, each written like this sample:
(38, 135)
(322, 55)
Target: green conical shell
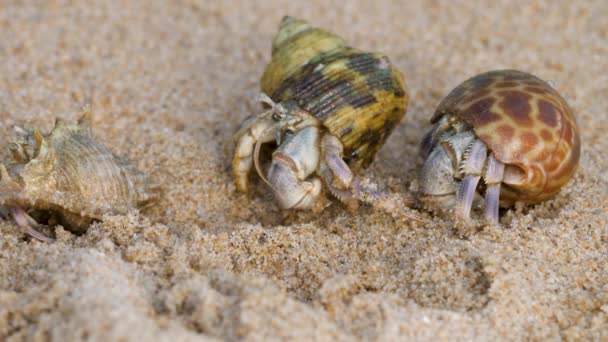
(359, 96)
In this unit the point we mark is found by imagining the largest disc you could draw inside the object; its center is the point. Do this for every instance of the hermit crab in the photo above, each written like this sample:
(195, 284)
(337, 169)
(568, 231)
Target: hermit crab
(68, 178)
(330, 108)
(508, 127)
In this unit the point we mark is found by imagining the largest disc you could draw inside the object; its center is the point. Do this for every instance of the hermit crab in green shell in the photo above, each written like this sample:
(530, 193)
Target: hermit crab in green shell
(330, 108)
(508, 127)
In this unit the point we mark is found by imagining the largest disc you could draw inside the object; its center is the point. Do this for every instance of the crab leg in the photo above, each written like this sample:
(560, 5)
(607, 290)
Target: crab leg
(29, 224)
(472, 169)
(332, 156)
(347, 187)
(493, 178)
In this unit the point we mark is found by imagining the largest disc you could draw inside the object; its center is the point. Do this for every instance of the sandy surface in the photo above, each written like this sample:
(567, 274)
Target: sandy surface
(169, 82)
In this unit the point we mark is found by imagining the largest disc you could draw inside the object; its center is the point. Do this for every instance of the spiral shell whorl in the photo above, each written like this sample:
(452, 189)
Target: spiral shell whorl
(294, 46)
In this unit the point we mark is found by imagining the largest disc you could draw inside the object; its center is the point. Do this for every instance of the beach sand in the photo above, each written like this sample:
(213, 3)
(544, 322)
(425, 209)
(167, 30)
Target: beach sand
(169, 82)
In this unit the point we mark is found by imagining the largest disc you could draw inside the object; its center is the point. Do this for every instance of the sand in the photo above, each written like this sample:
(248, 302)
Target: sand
(169, 82)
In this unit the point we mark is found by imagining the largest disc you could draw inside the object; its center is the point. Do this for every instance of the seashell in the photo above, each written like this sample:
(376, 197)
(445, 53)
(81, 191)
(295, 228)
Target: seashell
(359, 97)
(69, 178)
(331, 107)
(507, 126)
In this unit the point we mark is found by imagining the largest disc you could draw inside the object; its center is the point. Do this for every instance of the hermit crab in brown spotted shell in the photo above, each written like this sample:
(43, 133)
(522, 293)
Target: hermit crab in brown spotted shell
(67, 177)
(508, 127)
(330, 108)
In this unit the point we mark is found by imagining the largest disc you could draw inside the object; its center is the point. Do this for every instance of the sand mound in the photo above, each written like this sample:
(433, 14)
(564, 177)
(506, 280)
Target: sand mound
(170, 81)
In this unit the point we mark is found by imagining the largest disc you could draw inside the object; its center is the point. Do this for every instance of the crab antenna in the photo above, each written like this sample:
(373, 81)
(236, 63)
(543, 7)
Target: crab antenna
(274, 106)
(267, 100)
(261, 98)
(256, 157)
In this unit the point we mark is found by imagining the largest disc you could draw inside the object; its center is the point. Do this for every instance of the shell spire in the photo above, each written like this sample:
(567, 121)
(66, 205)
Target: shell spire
(59, 122)
(295, 45)
(288, 28)
(86, 119)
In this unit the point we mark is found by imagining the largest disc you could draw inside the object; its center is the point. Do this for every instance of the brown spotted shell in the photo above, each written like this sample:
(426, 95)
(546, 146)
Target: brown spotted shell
(69, 176)
(359, 96)
(525, 123)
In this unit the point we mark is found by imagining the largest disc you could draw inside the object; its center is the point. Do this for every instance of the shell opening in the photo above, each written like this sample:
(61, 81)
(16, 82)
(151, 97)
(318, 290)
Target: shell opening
(281, 120)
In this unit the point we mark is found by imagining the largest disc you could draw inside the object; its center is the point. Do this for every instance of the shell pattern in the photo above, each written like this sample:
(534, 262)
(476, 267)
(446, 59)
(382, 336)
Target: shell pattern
(525, 123)
(359, 96)
(70, 176)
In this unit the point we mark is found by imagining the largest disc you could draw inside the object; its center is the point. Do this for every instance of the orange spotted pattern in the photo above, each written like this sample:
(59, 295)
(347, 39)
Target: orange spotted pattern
(526, 124)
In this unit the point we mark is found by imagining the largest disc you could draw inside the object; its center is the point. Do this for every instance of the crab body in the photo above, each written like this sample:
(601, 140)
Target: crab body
(508, 127)
(331, 108)
(68, 176)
